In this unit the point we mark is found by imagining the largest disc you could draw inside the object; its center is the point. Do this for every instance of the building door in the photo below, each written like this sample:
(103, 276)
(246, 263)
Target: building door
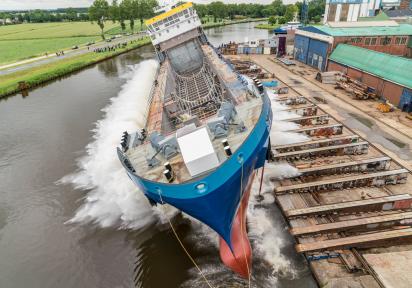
(320, 62)
(406, 101)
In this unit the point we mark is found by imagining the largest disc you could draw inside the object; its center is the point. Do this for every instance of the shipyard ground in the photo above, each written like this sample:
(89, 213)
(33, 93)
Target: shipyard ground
(350, 209)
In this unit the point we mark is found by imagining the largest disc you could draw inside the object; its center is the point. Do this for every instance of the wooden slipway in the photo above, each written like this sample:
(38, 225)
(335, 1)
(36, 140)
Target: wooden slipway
(350, 208)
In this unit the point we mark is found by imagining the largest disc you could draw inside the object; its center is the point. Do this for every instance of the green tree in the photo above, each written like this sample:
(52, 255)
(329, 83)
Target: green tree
(71, 14)
(123, 15)
(114, 12)
(99, 12)
(282, 20)
(272, 20)
(316, 8)
(278, 7)
(290, 12)
(217, 10)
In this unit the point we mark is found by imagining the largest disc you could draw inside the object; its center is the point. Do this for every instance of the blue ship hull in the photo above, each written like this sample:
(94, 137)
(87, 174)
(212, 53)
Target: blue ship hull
(215, 203)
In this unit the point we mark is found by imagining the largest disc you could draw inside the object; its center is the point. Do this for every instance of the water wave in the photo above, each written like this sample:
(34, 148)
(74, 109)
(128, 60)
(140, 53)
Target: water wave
(112, 200)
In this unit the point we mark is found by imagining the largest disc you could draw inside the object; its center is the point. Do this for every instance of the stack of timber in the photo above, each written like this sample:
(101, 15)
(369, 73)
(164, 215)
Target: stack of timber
(348, 202)
(250, 69)
(355, 88)
(329, 77)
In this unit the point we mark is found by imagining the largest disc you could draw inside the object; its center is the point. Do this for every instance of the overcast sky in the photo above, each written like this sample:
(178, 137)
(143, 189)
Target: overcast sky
(51, 4)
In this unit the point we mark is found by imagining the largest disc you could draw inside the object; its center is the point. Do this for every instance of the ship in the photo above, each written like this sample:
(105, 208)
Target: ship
(206, 133)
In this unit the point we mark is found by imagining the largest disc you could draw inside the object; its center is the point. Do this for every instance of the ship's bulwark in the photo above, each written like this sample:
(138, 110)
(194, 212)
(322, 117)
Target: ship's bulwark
(217, 204)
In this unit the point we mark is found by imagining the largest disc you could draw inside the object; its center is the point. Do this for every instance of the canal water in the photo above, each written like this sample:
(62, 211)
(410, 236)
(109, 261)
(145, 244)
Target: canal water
(69, 217)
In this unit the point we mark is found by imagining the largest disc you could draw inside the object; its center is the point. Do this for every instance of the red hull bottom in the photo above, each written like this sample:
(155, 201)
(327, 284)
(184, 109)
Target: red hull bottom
(240, 260)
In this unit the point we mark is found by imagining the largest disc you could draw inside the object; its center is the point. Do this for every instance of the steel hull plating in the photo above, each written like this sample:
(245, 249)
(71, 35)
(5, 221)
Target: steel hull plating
(217, 202)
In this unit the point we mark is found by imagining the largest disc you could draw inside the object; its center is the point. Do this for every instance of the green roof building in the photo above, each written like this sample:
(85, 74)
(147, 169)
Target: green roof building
(390, 76)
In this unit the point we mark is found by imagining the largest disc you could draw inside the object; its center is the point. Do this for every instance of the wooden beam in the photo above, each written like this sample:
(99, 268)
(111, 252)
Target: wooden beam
(364, 240)
(344, 149)
(373, 179)
(393, 202)
(323, 130)
(337, 140)
(306, 110)
(374, 164)
(310, 120)
(364, 223)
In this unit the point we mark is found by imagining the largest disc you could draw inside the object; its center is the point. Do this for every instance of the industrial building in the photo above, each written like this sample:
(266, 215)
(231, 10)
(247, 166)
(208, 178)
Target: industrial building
(353, 10)
(349, 10)
(389, 76)
(313, 44)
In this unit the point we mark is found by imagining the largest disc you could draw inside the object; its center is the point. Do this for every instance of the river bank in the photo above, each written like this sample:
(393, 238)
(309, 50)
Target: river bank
(29, 78)
(231, 22)
(267, 26)
(33, 77)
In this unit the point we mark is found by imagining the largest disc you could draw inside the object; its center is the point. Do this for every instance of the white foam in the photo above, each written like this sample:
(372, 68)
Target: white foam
(284, 138)
(112, 198)
(284, 126)
(284, 115)
(266, 236)
(281, 171)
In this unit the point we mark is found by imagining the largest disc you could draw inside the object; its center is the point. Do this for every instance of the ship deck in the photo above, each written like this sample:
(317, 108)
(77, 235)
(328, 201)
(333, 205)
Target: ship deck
(248, 110)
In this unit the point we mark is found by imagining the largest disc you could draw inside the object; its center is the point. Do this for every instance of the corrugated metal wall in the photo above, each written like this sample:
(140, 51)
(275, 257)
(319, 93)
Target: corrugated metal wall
(406, 100)
(311, 51)
(301, 48)
(317, 54)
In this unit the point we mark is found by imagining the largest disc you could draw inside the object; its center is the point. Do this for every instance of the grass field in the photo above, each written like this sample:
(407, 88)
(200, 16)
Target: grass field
(38, 75)
(23, 41)
(267, 26)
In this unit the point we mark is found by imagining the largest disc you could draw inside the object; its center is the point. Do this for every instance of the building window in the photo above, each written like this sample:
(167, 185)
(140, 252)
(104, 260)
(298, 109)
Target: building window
(367, 41)
(356, 40)
(403, 41)
(332, 12)
(385, 41)
(397, 40)
(373, 41)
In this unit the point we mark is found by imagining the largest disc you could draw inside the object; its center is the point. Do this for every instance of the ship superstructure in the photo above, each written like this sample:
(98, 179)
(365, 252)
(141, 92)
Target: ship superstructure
(207, 131)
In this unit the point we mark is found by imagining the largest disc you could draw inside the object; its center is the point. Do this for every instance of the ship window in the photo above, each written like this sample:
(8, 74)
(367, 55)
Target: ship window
(167, 31)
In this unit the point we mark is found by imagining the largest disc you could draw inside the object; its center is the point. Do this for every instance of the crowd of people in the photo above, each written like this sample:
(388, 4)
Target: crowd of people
(110, 48)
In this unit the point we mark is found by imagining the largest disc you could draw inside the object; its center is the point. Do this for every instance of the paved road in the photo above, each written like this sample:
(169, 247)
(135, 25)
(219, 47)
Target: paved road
(27, 64)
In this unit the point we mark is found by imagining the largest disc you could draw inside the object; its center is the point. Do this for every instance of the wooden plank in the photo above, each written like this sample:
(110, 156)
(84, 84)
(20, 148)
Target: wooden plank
(310, 120)
(393, 202)
(323, 130)
(323, 185)
(306, 110)
(320, 149)
(346, 166)
(366, 223)
(365, 240)
(322, 142)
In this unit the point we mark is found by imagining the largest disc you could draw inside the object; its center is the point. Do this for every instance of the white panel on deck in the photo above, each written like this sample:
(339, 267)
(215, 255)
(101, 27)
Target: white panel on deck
(198, 152)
